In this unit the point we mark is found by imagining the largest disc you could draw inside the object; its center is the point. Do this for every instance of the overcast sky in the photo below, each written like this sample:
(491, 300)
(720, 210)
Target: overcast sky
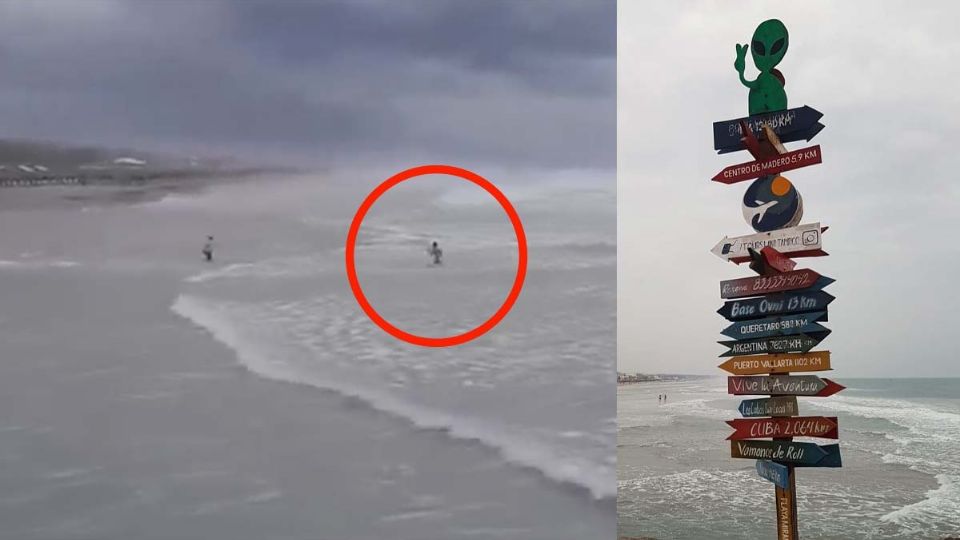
(528, 83)
(886, 77)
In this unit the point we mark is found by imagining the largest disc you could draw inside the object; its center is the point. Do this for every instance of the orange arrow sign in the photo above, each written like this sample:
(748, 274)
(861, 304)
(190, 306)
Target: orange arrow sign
(777, 363)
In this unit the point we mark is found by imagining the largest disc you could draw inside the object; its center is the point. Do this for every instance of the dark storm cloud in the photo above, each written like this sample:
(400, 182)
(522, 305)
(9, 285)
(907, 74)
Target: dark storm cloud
(530, 83)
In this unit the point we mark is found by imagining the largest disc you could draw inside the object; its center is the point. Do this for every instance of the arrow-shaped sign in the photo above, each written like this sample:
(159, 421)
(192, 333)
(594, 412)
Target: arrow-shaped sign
(782, 385)
(772, 406)
(782, 325)
(780, 344)
(777, 363)
(786, 281)
(769, 261)
(776, 304)
(800, 241)
(774, 472)
(796, 453)
(832, 458)
(772, 165)
(789, 125)
(798, 426)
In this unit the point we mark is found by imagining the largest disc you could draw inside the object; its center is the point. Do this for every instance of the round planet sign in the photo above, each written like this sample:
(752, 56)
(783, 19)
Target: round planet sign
(772, 202)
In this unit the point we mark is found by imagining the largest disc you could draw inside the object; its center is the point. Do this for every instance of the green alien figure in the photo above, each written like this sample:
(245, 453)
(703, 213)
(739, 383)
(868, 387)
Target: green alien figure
(768, 46)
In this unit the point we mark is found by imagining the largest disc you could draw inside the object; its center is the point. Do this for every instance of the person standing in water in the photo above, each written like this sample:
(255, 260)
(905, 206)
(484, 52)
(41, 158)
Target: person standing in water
(436, 252)
(208, 249)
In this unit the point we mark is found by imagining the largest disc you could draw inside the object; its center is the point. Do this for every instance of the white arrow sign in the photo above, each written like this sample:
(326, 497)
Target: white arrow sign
(802, 238)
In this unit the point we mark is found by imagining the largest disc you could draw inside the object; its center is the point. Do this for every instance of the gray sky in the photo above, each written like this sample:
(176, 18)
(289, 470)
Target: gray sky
(528, 83)
(885, 75)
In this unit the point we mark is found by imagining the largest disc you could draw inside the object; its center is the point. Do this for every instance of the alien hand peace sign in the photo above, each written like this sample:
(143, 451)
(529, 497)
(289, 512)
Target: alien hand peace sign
(740, 63)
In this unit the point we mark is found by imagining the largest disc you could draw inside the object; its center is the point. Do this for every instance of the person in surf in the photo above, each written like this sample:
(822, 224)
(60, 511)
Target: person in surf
(208, 249)
(436, 252)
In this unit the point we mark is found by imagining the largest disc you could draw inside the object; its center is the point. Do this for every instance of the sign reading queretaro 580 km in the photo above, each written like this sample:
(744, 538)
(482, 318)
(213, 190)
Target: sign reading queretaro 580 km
(782, 385)
(799, 426)
(772, 406)
(790, 125)
(787, 281)
(777, 363)
(784, 325)
(799, 241)
(776, 304)
(772, 165)
(795, 453)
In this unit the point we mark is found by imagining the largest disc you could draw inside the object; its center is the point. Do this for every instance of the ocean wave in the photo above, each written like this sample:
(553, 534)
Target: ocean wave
(941, 505)
(514, 445)
(36, 264)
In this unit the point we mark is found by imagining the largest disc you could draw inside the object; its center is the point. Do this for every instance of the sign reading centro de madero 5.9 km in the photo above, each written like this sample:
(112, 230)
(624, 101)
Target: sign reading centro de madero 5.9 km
(775, 316)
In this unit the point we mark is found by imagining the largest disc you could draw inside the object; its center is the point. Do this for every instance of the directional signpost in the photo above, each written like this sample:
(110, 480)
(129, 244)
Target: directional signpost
(782, 385)
(772, 406)
(777, 363)
(775, 317)
(785, 281)
(783, 325)
(799, 241)
(776, 304)
(798, 426)
(801, 124)
(774, 472)
(785, 344)
(772, 165)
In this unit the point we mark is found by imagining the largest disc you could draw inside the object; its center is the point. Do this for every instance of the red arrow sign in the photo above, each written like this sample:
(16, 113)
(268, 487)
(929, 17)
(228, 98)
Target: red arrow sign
(771, 165)
(798, 426)
(785, 281)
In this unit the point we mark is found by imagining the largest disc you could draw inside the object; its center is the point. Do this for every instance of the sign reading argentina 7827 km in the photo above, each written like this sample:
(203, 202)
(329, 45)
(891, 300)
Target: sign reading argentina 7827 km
(786, 281)
(778, 344)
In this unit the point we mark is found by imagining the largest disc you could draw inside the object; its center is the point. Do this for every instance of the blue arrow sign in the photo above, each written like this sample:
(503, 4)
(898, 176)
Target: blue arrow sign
(776, 304)
(832, 459)
(787, 325)
(771, 406)
(790, 125)
(774, 472)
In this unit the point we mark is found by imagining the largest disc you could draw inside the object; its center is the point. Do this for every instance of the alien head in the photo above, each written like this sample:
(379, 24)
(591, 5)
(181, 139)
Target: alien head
(769, 44)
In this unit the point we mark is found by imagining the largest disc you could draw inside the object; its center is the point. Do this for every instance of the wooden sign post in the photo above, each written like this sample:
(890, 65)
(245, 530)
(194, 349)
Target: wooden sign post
(775, 317)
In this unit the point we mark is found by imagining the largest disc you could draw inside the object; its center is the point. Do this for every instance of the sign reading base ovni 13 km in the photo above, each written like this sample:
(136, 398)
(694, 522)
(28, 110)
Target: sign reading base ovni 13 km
(776, 304)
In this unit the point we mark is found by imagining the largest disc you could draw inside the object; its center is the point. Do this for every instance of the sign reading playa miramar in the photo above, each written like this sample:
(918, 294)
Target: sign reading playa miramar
(775, 316)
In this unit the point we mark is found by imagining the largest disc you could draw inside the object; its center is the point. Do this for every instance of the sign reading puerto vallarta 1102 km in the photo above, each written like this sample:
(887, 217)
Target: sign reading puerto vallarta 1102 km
(776, 315)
